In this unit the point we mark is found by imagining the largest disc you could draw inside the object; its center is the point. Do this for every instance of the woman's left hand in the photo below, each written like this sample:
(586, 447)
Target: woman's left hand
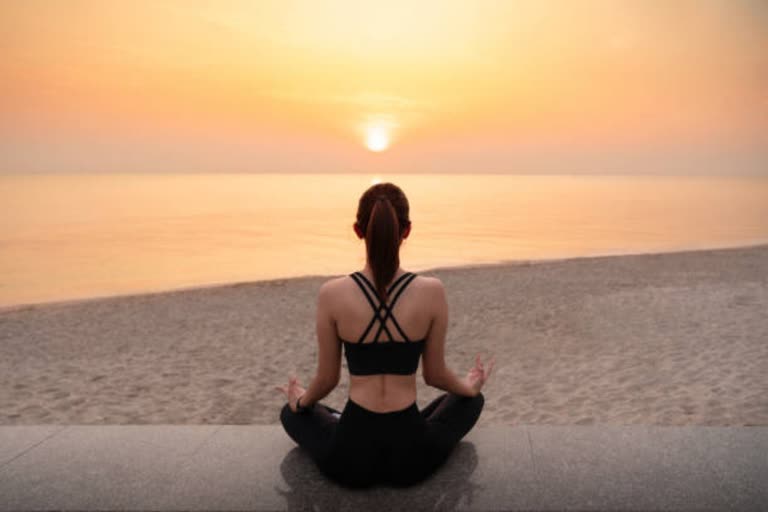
(292, 391)
(479, 374)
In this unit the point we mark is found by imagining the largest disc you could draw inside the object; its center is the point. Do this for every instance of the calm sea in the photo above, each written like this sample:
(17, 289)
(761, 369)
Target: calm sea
(75, 236)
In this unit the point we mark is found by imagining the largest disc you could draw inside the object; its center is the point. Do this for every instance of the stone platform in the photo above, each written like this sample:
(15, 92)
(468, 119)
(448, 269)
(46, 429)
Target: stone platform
(207, 468)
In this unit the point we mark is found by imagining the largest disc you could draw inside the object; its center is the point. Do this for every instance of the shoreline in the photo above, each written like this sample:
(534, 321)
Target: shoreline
(448, 268)
(651, 339)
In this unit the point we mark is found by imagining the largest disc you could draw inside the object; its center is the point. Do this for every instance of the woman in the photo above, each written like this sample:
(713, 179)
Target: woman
(386, 319)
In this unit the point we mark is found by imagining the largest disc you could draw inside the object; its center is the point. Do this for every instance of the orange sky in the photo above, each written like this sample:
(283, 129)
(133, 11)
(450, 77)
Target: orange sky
(645, 86)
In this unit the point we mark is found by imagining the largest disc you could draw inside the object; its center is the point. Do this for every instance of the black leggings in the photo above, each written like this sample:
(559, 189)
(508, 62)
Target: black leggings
(359, 447)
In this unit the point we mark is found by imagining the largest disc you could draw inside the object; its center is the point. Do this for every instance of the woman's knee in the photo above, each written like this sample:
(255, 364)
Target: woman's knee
(466, 411)
(288, 419)
(285, 413)
(478, 401)
(473, 403)
(472, 407)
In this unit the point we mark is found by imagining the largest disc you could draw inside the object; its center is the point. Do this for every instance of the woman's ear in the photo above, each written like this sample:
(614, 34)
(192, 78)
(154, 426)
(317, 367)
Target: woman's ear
(358, 232)
(407, 231)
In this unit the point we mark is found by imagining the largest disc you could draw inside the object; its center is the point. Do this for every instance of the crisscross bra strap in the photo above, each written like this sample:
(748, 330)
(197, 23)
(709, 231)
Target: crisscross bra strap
(369, 290)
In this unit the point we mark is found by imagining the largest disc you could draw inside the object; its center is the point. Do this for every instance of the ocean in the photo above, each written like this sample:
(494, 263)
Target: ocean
(77, 236)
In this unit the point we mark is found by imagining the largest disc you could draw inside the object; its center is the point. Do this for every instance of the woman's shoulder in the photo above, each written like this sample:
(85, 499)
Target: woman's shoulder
(431, 285)
(331, 293)
(332, 285)
(428, 281)
(336, 287)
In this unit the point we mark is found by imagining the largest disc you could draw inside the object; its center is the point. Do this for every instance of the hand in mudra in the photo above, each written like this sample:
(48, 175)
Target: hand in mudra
(292, 391)
(479, 374)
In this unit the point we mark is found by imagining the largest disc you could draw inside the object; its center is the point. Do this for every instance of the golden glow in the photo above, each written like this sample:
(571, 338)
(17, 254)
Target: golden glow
(273, 85)
(377, 139)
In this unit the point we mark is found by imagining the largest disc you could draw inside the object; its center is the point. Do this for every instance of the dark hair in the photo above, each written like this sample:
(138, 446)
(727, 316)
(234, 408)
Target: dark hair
(382, 215)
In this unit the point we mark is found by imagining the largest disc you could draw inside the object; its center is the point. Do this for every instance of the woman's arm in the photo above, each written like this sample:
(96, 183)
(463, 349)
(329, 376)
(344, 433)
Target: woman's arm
(434, 370)
(329, 350)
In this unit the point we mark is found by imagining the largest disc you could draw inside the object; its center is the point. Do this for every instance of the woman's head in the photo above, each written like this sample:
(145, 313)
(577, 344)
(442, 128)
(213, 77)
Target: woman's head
(382, 220)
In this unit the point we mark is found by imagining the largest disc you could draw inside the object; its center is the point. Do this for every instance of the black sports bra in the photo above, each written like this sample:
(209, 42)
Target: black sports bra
(394, 357)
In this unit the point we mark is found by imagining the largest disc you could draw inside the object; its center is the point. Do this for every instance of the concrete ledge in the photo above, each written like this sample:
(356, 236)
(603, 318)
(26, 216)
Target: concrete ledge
(259, 468)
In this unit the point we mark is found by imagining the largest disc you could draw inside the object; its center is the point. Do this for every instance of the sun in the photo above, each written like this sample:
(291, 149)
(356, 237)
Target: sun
(377, 138)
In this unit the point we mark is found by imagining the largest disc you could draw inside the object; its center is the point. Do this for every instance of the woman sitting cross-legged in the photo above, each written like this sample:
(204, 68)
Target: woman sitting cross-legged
(386, 319)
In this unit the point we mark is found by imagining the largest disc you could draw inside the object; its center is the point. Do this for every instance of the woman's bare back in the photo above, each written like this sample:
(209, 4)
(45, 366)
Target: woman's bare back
(352, 314)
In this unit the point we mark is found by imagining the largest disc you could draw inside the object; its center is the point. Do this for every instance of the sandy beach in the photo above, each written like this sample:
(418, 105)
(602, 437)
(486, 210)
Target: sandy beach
(663, 339)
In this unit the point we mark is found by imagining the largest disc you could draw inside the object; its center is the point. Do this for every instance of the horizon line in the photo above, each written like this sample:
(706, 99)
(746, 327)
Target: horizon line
(384, 173)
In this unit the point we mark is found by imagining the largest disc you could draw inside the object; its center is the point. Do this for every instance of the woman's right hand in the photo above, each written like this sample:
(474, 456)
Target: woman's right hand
(293, 391)
(479, 374)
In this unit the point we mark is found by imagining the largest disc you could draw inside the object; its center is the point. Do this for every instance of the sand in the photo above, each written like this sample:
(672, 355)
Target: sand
(664, 339)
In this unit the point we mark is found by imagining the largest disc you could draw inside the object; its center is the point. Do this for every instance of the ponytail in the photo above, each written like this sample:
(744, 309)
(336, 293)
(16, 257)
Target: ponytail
(382, 241)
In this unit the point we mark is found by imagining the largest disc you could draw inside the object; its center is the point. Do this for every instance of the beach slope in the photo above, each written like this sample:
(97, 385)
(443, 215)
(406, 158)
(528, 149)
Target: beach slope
(658, 339)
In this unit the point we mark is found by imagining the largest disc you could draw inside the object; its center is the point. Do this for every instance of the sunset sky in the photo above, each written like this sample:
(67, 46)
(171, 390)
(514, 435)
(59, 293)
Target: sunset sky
(582, 86)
